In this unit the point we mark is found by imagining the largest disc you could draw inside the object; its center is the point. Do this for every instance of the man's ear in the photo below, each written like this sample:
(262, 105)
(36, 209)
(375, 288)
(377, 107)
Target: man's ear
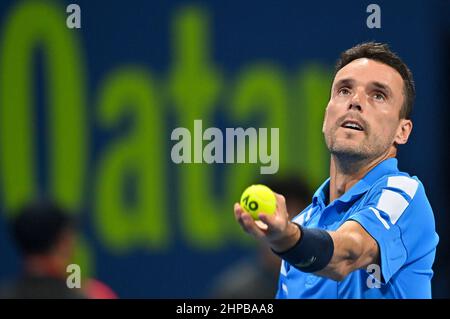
(404, 130)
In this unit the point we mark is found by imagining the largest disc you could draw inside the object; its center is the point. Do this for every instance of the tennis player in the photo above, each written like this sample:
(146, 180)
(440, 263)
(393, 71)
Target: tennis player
(369, 231)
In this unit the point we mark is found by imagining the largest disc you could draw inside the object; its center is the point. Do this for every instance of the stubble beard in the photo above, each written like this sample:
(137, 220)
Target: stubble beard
(352, 156)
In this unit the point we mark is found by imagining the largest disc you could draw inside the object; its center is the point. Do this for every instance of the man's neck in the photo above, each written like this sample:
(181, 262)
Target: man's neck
(345, 174)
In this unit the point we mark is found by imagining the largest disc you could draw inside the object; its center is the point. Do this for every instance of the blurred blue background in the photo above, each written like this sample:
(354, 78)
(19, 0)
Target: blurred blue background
(86, 116)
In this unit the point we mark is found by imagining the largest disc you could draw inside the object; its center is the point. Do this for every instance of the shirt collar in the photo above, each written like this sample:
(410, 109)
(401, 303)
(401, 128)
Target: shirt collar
(385, 167)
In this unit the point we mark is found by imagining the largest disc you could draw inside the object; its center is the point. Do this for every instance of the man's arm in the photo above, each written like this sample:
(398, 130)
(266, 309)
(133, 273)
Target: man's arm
(354, 248)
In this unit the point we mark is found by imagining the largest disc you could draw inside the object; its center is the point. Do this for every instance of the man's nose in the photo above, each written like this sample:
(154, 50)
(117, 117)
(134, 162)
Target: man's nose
(356, 102)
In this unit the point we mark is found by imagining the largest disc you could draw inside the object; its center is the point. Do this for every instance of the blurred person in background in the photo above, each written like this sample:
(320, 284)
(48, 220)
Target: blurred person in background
(256, 276)
(45, 235)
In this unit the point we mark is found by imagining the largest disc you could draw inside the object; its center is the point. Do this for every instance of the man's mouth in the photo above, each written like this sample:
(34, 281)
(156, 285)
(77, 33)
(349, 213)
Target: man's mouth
(353, 125)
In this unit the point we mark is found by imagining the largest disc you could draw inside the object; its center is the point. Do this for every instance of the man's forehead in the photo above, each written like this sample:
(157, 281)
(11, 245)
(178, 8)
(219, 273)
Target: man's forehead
(367, 70)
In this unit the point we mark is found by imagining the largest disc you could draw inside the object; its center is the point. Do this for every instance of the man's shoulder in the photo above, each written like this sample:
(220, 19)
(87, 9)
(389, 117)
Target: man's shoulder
(399, 183)
(399, 195)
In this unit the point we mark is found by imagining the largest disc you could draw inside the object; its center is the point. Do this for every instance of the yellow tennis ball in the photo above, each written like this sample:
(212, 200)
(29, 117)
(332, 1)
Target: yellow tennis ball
(258, 199)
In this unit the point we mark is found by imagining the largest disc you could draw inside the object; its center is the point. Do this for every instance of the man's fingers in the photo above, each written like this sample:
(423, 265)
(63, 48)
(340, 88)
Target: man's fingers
(281, 205)
(277, 220)
(281, 201)
(268, 219)
(246, 221)
(250, 226)
(237, 211)
(261, 225)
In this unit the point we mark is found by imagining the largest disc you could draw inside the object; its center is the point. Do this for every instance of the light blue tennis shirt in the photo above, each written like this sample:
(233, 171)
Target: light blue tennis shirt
(393, 208)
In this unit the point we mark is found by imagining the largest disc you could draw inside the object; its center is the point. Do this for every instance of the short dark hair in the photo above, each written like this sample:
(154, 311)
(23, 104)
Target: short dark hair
(381, 52)
(38, 226)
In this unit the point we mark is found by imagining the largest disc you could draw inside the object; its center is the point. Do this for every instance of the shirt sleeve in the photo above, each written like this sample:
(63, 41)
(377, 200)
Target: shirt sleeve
(379, 216)
(392, 251)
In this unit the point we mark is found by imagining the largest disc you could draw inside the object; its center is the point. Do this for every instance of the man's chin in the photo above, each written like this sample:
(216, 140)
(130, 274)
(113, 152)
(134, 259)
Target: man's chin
(348, 152)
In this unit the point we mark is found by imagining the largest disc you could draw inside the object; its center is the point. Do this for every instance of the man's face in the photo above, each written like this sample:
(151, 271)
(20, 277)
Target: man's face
(362, 117)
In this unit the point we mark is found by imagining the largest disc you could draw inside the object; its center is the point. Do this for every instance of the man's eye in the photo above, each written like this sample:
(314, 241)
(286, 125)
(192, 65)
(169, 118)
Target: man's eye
(344, 91)
(379, 96)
